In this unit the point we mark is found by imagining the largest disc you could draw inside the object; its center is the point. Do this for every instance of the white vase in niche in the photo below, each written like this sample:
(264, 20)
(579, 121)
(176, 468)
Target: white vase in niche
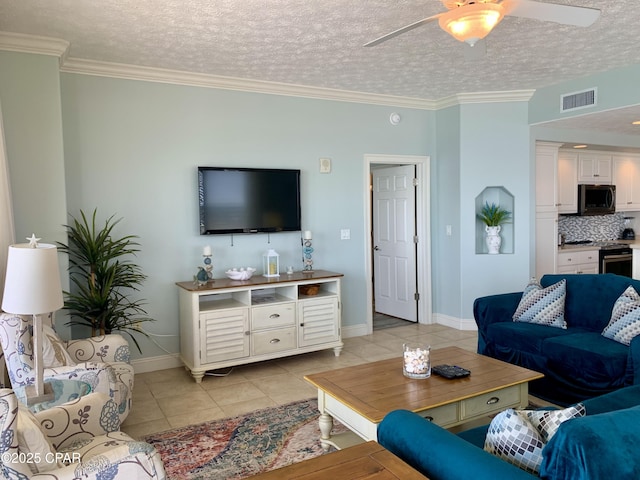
(493, 239)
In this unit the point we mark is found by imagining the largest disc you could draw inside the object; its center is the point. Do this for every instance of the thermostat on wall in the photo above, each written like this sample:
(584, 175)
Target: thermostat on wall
(325, 165)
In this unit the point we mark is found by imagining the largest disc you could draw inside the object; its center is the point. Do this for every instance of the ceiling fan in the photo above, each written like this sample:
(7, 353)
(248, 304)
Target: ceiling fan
(472, 20)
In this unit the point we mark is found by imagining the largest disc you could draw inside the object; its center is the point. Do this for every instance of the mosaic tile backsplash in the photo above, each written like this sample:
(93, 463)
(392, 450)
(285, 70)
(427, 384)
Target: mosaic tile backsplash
(596, 228)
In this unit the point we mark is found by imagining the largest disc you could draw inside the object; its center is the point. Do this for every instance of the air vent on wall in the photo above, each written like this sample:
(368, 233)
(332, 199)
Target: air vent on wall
(584, 99)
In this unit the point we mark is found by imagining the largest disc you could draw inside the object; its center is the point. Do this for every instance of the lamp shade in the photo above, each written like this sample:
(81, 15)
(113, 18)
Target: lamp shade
(32, 284)
(471, 22)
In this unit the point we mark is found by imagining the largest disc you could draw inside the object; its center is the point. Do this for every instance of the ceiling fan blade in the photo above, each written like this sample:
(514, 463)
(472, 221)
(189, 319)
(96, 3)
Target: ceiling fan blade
(551, 12)
(402, 30)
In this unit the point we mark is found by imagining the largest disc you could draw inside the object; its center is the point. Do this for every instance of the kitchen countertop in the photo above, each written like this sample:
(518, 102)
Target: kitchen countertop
(583, 247)
(577, 248)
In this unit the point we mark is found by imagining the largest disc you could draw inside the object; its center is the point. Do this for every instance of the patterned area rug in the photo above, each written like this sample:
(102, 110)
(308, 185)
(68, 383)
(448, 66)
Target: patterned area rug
(238, 447)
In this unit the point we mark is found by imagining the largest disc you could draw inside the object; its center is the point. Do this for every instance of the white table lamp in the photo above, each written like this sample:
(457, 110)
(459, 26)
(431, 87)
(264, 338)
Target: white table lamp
(32, 287)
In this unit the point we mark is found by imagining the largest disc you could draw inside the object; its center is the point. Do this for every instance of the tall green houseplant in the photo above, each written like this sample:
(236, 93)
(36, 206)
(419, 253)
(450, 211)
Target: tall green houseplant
(103, 278)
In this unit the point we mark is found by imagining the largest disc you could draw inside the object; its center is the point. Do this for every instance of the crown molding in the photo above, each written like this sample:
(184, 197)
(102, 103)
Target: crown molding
(484, 97)
(18, 42)
(152, 74)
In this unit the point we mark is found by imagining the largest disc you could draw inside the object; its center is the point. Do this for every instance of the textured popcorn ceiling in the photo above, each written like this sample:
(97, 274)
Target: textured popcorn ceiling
(319, 43)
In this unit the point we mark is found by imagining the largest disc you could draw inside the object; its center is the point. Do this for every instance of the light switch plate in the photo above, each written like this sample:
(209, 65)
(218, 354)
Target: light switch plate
(325, 165)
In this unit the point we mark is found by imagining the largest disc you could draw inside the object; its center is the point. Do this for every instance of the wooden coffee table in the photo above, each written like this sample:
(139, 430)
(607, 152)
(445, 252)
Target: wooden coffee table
(367, 461)
(360, 396)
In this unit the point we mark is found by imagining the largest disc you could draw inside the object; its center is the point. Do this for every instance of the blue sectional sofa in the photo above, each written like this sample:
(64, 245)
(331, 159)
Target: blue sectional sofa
(578, 362)
(601, 445)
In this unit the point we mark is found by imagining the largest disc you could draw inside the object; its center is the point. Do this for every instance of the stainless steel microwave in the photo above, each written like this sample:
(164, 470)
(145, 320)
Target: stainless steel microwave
(596, 199)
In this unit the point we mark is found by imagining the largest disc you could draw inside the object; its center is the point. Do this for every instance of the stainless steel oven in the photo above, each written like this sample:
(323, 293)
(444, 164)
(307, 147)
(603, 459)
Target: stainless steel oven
(616, 259)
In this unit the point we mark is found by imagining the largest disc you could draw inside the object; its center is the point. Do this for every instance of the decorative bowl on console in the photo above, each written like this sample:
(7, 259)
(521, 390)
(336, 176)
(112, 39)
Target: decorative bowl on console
(240, 273)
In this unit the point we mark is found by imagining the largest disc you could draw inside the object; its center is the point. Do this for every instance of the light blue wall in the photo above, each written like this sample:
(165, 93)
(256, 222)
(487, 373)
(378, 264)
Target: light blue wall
(132, 149)
(31, 111)
(615, 88)
(30, 96)
(478, 146)
(494, 152)
(446, 259)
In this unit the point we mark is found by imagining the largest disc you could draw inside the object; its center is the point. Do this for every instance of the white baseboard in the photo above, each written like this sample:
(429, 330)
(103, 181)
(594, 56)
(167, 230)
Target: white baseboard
(354, 330)
(454, 322)
(161, 362)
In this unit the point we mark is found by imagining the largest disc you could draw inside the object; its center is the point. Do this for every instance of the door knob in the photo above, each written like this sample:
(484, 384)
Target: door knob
(376, 248)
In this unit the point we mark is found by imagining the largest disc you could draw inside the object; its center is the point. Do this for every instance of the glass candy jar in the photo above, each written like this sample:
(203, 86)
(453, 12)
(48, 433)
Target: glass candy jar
(416, 360)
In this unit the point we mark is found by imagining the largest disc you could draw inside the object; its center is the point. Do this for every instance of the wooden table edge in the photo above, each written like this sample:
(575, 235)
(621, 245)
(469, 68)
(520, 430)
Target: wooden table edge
(314, 466)
(343, 399)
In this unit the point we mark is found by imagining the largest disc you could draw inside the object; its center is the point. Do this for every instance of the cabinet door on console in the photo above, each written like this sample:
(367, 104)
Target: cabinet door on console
(318, 321)
(224, 335)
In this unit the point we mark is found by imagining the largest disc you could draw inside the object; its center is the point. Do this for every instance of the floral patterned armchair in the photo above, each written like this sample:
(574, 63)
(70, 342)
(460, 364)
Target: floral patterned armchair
(102, 362)
(79, 439)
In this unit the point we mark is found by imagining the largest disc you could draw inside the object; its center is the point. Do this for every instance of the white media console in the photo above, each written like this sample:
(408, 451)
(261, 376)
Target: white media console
(229, 322)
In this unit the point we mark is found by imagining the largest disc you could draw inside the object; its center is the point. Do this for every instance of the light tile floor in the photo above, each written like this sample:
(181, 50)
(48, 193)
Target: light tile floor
(167, 399)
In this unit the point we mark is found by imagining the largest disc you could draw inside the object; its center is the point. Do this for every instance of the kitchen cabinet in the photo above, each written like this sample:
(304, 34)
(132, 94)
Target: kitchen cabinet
(585, 261)
(626, 178)
(546, 231)
(556, 179)
(227, 323)
(594, 168)
(567, 182)
(547, 176)
(546, 243)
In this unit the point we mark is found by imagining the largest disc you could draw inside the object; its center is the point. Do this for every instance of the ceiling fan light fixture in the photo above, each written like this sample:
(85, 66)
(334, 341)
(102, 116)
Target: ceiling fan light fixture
(472, 22)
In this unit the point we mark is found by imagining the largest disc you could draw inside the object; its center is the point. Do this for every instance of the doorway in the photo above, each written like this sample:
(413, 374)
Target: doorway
(393, 204)
(418, 276)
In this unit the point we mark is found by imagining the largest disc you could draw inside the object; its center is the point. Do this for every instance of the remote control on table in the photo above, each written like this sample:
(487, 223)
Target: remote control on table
(450, 371)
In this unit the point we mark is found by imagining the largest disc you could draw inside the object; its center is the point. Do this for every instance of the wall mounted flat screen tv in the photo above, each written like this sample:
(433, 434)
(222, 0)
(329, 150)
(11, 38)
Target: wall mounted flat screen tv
(248, 200)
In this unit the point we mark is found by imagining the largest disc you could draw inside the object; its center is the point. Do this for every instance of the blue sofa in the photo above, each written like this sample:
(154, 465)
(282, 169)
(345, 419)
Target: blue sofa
(578, 362)
(602, 444)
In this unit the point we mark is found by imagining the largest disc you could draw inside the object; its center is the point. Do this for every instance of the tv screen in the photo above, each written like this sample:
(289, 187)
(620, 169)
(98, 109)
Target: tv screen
(248, 200)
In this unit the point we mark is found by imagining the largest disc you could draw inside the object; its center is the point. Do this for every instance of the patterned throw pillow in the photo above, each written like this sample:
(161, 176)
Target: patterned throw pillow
(33, 442)
(548, 421)
(518, 436)
(53, 352)
(625, 317)
(544, 306)
(512, 438)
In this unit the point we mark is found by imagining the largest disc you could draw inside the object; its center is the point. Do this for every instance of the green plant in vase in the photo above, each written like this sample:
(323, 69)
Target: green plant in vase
(103, 277)
(493, 216)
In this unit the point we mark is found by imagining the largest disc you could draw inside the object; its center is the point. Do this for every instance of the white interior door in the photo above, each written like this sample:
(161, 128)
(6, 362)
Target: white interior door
(394, 248)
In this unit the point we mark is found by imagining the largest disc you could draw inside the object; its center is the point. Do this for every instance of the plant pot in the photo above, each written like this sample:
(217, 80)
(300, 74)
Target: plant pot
(493, 239)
